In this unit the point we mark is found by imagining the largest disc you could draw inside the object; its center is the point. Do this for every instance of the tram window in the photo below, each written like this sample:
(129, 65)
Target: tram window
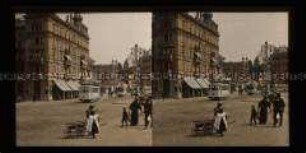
(224, 87)
(95, 90)
(85, 89)
(120, 89)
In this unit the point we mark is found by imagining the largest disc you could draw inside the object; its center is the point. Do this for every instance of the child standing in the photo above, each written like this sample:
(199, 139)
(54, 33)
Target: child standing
(253, 115)
(125, 118)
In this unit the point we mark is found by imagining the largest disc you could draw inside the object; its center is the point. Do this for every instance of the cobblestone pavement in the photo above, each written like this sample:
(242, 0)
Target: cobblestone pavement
(172, 124)
(41, 124)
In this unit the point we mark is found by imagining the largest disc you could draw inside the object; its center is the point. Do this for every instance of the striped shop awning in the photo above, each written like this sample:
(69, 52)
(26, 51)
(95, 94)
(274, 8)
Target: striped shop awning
(62, 85)
(192, 83)
(72, 85)
(203, 82)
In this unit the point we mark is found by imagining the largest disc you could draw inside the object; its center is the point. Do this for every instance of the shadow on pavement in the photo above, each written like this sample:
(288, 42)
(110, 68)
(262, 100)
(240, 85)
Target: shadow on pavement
(203, 135)
(76, 137)
(258, 125)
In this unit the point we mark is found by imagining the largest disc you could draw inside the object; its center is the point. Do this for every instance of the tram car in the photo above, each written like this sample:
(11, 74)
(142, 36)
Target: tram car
(90, 91)
(218, 91)
(250, 89)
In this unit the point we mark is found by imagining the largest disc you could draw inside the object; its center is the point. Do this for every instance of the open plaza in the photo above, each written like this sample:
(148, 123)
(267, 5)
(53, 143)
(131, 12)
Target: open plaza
(43, 123)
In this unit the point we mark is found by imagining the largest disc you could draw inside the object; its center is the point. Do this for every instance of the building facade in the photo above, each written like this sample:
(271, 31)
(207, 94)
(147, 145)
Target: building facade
(279, 65)
(108, 75)
(20, 61)
(183, 46)
(266, 51)
(57, 51)
(146, 71)
(139, 68)
(237, 71)
(274, 60)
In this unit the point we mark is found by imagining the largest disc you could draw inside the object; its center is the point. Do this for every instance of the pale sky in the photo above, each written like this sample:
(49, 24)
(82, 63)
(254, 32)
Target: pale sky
(241, 34)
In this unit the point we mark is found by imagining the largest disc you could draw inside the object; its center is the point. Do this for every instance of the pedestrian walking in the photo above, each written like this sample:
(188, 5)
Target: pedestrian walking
(240, 90)
(278, 110)
(147, 111)
(263, 107)
(125, 117)
(253, 115)
(135, 107)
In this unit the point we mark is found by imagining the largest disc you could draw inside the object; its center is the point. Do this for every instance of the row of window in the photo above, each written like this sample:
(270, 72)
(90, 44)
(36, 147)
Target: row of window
(195, 30)
(60, 69)
(75, 61)
(187, 53)
(207, 37)
(90, 90)
(36, 41)
(167, 37)
(71, 36)
(188, 67)
(64, 48)
(65, 45)
(36, 26)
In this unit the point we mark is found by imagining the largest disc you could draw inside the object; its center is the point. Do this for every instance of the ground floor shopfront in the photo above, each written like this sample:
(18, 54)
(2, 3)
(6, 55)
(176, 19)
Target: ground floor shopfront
(46, 90)
(180, 88)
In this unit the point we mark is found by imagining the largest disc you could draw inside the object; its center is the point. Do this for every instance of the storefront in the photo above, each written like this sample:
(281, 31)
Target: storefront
(191, 88)
(63, 90)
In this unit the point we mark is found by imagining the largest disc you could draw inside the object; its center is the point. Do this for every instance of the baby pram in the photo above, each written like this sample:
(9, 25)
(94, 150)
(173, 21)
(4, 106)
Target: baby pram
(75, 129)
(203, 127)
(206, 126)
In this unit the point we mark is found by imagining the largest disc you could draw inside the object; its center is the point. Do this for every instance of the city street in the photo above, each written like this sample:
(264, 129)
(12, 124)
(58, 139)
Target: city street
(41, 124)
(173, 122)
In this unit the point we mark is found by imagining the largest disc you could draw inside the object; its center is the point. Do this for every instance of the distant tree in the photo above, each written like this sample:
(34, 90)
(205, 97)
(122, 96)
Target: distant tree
(257, 68)
(125, 64)
(250, 66)
(126, 69)
(120, 68)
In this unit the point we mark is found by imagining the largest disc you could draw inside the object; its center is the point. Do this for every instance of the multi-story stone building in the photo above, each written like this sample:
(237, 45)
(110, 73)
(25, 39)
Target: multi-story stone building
(108, 75)
(146, 71)
(279, 65)
(266, 51)
(237, 71)
(57, 51)
(274, 60)
(20, 61)
(183, 46)
(140, 68)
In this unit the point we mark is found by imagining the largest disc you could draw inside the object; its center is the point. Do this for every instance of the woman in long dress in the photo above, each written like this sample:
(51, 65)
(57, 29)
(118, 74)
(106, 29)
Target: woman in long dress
(220, 124)
(263, 107)
(92, 126)
(135, 107)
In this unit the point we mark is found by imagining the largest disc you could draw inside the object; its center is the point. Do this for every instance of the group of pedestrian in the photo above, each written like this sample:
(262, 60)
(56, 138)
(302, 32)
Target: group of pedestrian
(128, 118)
(264, 108)
(136, 107)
